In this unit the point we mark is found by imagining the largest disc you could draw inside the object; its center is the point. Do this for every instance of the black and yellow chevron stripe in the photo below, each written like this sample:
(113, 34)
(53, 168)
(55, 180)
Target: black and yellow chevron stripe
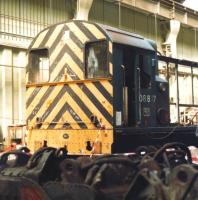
(69, 100)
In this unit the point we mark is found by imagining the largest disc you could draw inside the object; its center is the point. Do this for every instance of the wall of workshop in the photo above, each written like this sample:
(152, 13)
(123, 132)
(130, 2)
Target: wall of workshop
(23, 19)
(20, 21)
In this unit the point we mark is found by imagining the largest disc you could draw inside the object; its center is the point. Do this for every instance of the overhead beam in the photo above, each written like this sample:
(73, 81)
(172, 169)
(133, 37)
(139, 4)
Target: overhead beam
(167, 9)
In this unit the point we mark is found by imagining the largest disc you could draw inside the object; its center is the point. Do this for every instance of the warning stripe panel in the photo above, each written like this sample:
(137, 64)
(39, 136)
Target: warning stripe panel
(49, 103)
(94, 30)
(74, 101)
(56, 95)
(103, 91)
(108, 86)
(56, 32)
(58, 68)
(86, 31)
(39, 39)
(82, 107)
(32, 104)
(78, 33)
(101, 100)
(76, 118)
(51, 117)
(69, 56)
(38, 102)
(92, 105)
(57, 51)
(78, 109)
(69, 123)
(97, 104)
(47, 36)
(31, 92)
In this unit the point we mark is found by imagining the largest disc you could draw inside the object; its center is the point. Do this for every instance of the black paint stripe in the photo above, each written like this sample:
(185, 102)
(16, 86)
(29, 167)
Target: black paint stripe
(67, 107)
(74, 57)
(97, 103)
(80, 103)
(57, 39)
(40, 103)
(32, 96)
(57, 59)
(60, 74)
(52, 107)
(58, 116)
(47, 36)
(53, 47)
(103, 91)
(85, 31)
(76, 118)
(76, 40)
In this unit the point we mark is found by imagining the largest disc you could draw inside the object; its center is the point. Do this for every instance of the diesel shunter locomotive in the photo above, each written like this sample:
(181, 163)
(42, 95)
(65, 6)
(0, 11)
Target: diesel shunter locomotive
(95, 89)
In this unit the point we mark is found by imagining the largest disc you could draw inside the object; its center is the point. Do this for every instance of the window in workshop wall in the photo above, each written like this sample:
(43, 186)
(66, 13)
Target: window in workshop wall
(12, 87)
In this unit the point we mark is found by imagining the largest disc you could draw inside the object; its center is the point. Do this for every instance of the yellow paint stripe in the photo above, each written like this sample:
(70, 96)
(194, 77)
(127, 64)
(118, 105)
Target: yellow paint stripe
(54, 35)
(29, 92)
(101, 98)
(110, 47)
(48, 101)
(76, 50)
(58, 68)
(79, 34)
(108, 87)
(30, 109)
(111, 68)
(89, 103)
(39, 39)
(55, 111)
(94, 30)
(74, 67)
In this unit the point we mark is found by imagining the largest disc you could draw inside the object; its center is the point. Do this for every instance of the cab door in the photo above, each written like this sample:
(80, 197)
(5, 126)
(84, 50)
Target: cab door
(145, 65)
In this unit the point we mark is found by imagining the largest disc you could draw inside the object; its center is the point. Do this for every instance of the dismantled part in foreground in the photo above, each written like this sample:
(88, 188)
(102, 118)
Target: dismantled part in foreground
(155, 174)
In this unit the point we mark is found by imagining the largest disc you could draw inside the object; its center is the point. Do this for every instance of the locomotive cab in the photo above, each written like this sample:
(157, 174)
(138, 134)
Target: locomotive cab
(140, 96)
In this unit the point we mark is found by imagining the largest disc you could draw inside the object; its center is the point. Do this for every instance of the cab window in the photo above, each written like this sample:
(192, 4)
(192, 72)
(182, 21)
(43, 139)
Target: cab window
(39, 66)
(96, 62)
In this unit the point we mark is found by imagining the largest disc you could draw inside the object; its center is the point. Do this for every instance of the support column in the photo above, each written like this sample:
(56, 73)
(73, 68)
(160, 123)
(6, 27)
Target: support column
(170, 45)
(83, 8)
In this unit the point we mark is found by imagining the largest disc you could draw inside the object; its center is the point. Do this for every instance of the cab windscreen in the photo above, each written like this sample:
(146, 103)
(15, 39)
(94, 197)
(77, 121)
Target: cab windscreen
(38, 66)
(96, 62)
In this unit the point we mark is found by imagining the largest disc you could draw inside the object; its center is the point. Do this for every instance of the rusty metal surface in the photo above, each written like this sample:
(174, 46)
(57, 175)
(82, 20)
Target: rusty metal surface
(166, 173)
